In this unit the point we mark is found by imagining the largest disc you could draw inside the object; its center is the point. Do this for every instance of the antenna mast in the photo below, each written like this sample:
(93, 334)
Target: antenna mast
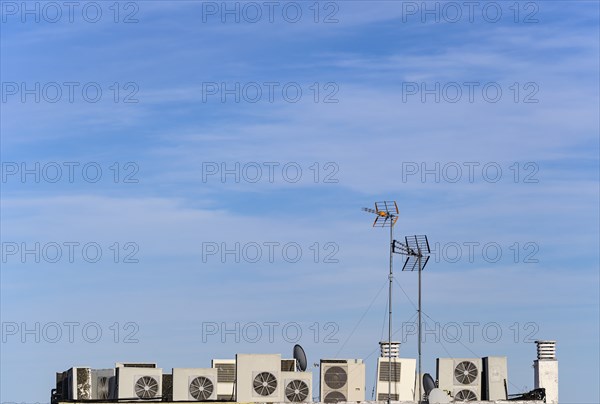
(416, 249)
(387, 215)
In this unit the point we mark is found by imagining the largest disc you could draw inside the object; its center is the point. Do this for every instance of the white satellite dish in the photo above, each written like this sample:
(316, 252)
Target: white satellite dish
(439, 396)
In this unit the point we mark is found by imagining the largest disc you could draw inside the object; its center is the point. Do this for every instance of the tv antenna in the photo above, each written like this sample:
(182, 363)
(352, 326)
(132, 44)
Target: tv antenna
(416, 249)
(386, 216)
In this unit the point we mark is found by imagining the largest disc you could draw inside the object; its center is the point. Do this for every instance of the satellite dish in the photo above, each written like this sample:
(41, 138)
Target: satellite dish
(428, 383)
(438, 396)
(300, 357)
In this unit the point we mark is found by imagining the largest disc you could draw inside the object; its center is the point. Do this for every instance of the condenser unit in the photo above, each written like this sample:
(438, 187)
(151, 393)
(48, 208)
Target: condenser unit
(194, 384)
(138, 383)
(402, 378)
(461, 378)
(297, 387)
(258, 378)
(495, 378)
(225, 379)
(342, 380)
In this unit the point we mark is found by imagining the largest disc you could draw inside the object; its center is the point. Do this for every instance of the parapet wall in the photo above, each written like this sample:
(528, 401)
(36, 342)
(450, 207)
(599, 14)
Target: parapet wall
(361, 402)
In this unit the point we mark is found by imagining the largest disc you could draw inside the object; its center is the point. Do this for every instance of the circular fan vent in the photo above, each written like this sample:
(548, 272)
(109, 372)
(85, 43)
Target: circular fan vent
(201, 388)
(146, 387)
(335, 377)
(296, 391)
(465, 395)
(265, 383)
(335, 397)
(466, 372)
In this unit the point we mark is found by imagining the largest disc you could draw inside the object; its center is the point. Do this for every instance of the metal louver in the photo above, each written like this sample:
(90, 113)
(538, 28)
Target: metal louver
(384, 372)
(465, 395)
(146, 387)
(226, 372)
(335, 397)
(296, 391)
(201, 388)
(466, 372)
(335, 377)
(384, 397)
(265, 383)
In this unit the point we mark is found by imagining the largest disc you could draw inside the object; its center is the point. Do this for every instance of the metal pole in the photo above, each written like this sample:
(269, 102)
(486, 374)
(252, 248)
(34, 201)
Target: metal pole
(419, 376)
(391, 277)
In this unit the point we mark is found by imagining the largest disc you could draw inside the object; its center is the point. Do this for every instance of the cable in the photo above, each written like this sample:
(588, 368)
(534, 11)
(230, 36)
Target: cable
(405, 294)
(385, 314)
(360, 320)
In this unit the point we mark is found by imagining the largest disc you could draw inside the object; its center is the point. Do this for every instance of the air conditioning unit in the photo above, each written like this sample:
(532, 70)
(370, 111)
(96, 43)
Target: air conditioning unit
(101, 383)
(79, 383)
(342, 380)
(297, 387)
(138, 383)
(225, 378)
(402, 377)
(461, 378)
(495, 378)
(194, 384)
(258, 378)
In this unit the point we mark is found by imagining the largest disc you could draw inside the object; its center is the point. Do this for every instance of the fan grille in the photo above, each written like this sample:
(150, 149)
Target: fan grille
(201, 388)
(335, 397)
(102, 389)
(465, 395)
(146, 387)
(466, 372)
(335, 377)
(265, 383)
(296, 391)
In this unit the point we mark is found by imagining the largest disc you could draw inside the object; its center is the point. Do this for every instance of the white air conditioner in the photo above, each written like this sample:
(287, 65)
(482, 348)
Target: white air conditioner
(495, 378)
(258, 378)
(460, 377)
(139, 383)
(402, 377)
(342, 380)
(101, 383)
(297, 387)
(225, 379)
(194, 384)
(79, 383)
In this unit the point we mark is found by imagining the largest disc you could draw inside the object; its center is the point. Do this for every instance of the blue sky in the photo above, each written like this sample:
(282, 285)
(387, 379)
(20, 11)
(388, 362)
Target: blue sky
(369, 61)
